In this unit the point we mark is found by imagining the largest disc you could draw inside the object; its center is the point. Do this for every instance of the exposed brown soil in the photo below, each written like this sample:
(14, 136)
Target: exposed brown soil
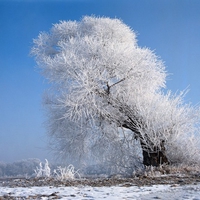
(99, 182)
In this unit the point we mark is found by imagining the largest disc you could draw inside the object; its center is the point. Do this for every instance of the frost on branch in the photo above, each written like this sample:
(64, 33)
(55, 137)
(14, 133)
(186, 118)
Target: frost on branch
(103, 84)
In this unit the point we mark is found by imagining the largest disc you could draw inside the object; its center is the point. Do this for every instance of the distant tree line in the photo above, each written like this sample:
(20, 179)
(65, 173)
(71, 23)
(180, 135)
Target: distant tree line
(19, 168)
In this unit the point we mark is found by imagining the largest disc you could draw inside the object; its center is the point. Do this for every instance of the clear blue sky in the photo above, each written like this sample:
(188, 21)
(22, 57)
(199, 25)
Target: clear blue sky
(169, 27)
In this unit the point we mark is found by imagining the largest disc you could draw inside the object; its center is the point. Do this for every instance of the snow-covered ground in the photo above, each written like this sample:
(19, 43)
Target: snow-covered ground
(167, 192)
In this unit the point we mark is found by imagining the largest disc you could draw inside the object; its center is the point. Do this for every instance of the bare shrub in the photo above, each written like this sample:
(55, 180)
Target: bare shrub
(43, 171)
(66, 173)
(61, 173)
(175, 169)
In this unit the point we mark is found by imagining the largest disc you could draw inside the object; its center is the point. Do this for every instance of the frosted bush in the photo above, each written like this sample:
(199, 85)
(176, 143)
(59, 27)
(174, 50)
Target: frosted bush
(39, 171)
(43, 172)
(66, 173)
(61, 173)
(187, 152)
(47, 170)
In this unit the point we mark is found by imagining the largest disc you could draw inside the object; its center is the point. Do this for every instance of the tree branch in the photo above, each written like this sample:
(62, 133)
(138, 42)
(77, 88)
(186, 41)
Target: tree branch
(117, 82)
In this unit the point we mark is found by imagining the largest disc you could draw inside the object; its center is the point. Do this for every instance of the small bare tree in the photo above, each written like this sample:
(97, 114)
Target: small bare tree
(102, 85)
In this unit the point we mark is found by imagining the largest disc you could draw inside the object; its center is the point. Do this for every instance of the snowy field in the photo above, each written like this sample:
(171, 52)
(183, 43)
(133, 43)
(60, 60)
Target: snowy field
(167, 192)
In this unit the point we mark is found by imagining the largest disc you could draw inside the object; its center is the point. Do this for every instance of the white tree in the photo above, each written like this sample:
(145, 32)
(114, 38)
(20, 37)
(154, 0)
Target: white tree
(103, 84)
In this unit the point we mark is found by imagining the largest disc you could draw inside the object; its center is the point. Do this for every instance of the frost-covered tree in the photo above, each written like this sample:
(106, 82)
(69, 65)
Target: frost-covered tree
(106, 98)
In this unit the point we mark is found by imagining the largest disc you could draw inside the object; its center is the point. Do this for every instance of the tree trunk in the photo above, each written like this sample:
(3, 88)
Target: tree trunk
(155, 158)
(150, 158)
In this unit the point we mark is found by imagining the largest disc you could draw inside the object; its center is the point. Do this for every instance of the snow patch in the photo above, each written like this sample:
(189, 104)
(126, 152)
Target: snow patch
(111, 193)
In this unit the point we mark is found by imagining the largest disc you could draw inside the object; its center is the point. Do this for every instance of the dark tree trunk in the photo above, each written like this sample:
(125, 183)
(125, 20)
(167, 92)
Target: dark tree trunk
(155, 158)
(150, 158)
